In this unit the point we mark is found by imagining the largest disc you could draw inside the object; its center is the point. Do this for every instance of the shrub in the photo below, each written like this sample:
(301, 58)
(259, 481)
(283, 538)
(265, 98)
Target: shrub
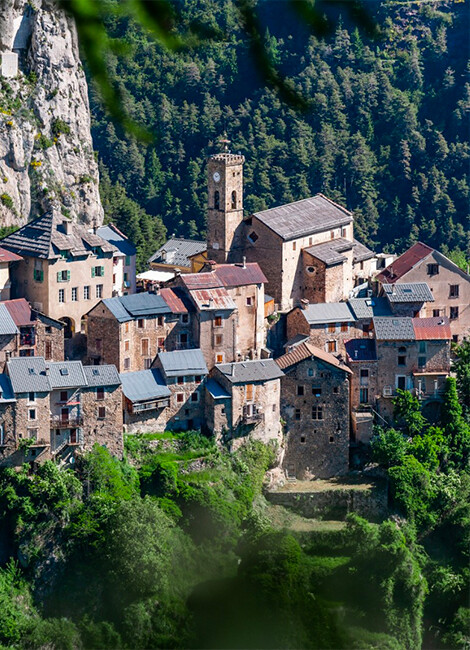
(60, 127)
(7, 201)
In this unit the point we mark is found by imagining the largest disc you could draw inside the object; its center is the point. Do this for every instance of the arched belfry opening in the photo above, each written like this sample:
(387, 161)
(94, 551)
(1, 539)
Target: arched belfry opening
(234, 200)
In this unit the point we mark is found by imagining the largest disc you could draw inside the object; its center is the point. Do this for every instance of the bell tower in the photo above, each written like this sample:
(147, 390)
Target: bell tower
(225, 206)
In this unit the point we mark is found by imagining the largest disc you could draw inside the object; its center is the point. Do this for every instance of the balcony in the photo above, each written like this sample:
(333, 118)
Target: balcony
(252, 415)
(27, 337)
(62, 422)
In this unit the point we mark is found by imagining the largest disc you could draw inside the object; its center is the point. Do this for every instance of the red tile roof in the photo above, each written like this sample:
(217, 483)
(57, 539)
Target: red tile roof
(306, 350)
(432, 329)
(8, 256)
(404, 263)
(20, 311)
(237, 275)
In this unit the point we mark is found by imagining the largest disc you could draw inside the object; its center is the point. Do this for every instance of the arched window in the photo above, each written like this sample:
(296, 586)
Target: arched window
(234, 200)
(217, 200)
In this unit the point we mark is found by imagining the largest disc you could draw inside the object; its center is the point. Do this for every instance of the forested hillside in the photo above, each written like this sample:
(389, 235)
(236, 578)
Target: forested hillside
(385, 130)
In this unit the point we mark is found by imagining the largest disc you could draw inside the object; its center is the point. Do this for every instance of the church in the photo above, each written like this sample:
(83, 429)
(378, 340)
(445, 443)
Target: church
(306, 249)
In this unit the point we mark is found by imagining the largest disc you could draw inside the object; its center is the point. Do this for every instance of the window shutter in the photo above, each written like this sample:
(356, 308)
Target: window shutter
(58, 276)
(68, 275)
(92, 271)
(102, 271)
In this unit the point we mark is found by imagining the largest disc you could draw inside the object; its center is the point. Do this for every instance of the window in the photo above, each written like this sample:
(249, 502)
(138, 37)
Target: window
(127, 363)
(48, 350)
(38, 275)
(364, 376)
(433, 269)
(455, 338)
(219, 358)
(126, 328)
(402, 356)
(217, 200)
(421, 362)
(436, 313)
(147, 363)
(101, 412)
(316, 391)
(180, 380)
(99, 290)
(197, 379)
(98, 344)
(310, 372)
(32, 434)
(127, 344)
(161, 344)
(127, 261)
(454, 313)
(74, 294)
(249, 301)
(114, 278)
(219, 339)
(64, 395)
(100, 392)
(31, 398)
(61, 295)
(234, 200)
(63, 276)
(294, 245)
(160, 321)
(218, 321)
(97, 271)
(310, 269)
(2, 434)
(185, 318)
(31, 414)
(422, 347)
(331, 328)
(86, 293)
(183, 341)
(194, 397)
(401, 382)
(180, 398)
(144, 345)
(249, 392)
(335, 390)
(345, 327)
(331, 346)
(317, 412)
(302, 439)
(297, 414)
(300, 390)
(140, 323)
(364, 396)
(365, 330)
(332, 234)
(454, 291)
(253, 237)
(332, 439)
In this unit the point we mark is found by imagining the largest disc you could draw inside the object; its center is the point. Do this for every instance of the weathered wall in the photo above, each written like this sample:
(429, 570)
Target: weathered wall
(107, 431)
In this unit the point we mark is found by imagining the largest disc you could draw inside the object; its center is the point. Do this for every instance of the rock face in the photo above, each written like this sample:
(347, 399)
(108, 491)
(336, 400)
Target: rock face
(46, 151)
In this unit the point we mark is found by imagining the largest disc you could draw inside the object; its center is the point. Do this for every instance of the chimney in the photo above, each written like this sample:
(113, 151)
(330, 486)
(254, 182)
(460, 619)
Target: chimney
(67, 225)
(244, 262)
(355, 354)
(304, 303)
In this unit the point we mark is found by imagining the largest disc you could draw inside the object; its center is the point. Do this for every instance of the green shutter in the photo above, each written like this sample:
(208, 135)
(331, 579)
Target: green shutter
(92, 271)
(41, 276)
(68, 275)
(58, 276)
(102, 271)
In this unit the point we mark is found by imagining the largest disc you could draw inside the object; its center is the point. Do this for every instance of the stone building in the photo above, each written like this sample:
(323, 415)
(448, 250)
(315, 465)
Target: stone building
(176, 255)
(102, 409)
(315, 407)
(146, 400)
(124, 259)
(450, 286)
(361, 357)
(409, 298)
(246, 398)
(38, 334)
(128, 331)
(7, 258)
(365, 309)
(65, 269)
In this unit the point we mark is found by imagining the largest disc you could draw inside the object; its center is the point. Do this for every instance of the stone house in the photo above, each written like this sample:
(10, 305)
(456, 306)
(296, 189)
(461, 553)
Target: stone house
(246, 397)
(7, 258)
(361, 357)
(124, 259)
(315, 407)
(146, 401)
(102, 409)
(177, 254)
(129, 331)
(38, 334)
(408, 298)
(450, 286)
(365, 309)
(65, 269)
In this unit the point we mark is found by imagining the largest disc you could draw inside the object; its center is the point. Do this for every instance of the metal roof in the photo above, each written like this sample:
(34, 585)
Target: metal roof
(216, 390)
(244, 372)
(305, 351)
(177, 300)
(144, 385)
(432, 329)
(206, 280)
(118, 310)
(295, 340)
(66, 374)
(176, 252)
(6, 389)
(369, 307)
(28, 375)
(20, 310)
(238, 275)
(328, 312)
(408, 292)
(8, 256)
(361, 350)
(212, 299)
(393, 328)
(183, 362)
(115, 237)
(331, 252)
(304, 217)
(7, 324)
(361, 252)
(106, 375)
(404, 263)
(136, 305)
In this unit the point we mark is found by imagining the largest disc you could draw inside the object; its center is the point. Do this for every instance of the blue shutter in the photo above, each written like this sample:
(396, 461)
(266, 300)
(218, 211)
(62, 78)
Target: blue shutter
(68, 275)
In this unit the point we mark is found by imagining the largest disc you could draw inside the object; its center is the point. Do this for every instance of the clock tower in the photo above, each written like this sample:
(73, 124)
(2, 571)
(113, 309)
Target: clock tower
(225, 207)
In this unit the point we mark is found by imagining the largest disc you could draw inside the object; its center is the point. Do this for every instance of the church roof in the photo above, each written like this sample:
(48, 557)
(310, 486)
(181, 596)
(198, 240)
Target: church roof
(305, 217)
(331, 252)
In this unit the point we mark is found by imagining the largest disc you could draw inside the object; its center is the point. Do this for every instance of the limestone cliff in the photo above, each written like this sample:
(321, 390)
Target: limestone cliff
(46, 152)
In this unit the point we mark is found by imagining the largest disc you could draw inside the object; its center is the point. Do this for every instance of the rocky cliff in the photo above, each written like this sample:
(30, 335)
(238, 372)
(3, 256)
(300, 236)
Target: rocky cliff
(46, 152)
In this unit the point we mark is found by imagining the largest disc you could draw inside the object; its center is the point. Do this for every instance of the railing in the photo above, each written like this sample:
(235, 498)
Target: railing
(150, 406)
(252, 416)
(59, 422)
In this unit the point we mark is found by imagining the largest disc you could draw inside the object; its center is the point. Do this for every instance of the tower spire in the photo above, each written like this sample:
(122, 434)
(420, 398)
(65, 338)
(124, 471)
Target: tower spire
(224, 141)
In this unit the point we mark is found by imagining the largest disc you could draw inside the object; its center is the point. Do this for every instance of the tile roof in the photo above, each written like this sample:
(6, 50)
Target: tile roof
(8, 256)
(28, 375)
(394, 328)
(361, 252)
(404, 263)
(66, 374)
(361, 350)
(115, 237)
(183, 362)
(144, 385)
(106, 375)
(239, 275)
(216, 390)
(369, 307)
(177, 251)
(6, 389)
(216, 299)
(45, 237)
(250, 371)
(328, 312)
(7, 324)
(408, 292)
(305, 351)
(20, 310)
(432, 329)
(331, 252)
(304, 217)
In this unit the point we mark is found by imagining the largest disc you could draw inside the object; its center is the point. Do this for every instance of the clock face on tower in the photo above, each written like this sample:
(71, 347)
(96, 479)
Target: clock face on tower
(216, 177)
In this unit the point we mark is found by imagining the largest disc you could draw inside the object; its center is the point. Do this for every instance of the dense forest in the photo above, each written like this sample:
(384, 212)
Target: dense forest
(383, 130)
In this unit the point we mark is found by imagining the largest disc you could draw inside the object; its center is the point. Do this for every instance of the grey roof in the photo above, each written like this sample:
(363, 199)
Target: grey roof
(369, 307)
(394, 329)
(6, 389)
(250, 371)
(328, 312)
(7, 324)
(112, 235)
(144, 385)
(216, 390)
(331, 252)
(296, 340)
(136, 305)
(106, 375)
(361, 252)
(28, 375)
(408, 292)
(183, 362)
(177, 251)
(66, 374)
(361, 349)
(304, 217)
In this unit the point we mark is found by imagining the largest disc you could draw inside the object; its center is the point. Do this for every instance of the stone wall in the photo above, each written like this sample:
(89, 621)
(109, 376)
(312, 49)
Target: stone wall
(208, 334)
(8, 345)
(105, 431)
(49, 336)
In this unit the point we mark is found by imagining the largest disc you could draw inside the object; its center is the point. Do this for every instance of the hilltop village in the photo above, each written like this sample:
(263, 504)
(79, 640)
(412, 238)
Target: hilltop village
(281, 327)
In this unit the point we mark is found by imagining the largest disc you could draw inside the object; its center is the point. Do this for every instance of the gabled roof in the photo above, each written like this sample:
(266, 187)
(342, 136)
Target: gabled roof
(20, 310)
(144, 385)
(115, 237)
(328, 312)
(28, 375)
(206, 280)
(8, 256)
(239, 275)
(361, 252)
(216, 299)
(45, 237)
(331, 252)
(306, 351)
(404, 263)
(177, 300)
(361, 350)
(183, 362)
(394, 328)
(136, 305)
(369, 307)
(66, 374)
(408, 292)
(177, 251)
(216, 390)
(244, 372)
(432, 329)
(304, 217)
(106, 375)
(7, 324)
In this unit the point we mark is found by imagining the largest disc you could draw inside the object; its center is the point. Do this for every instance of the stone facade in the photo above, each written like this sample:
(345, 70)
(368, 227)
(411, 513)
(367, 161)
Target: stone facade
(103, 427)
(330, 337)
(215, 331)
(326, 283)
